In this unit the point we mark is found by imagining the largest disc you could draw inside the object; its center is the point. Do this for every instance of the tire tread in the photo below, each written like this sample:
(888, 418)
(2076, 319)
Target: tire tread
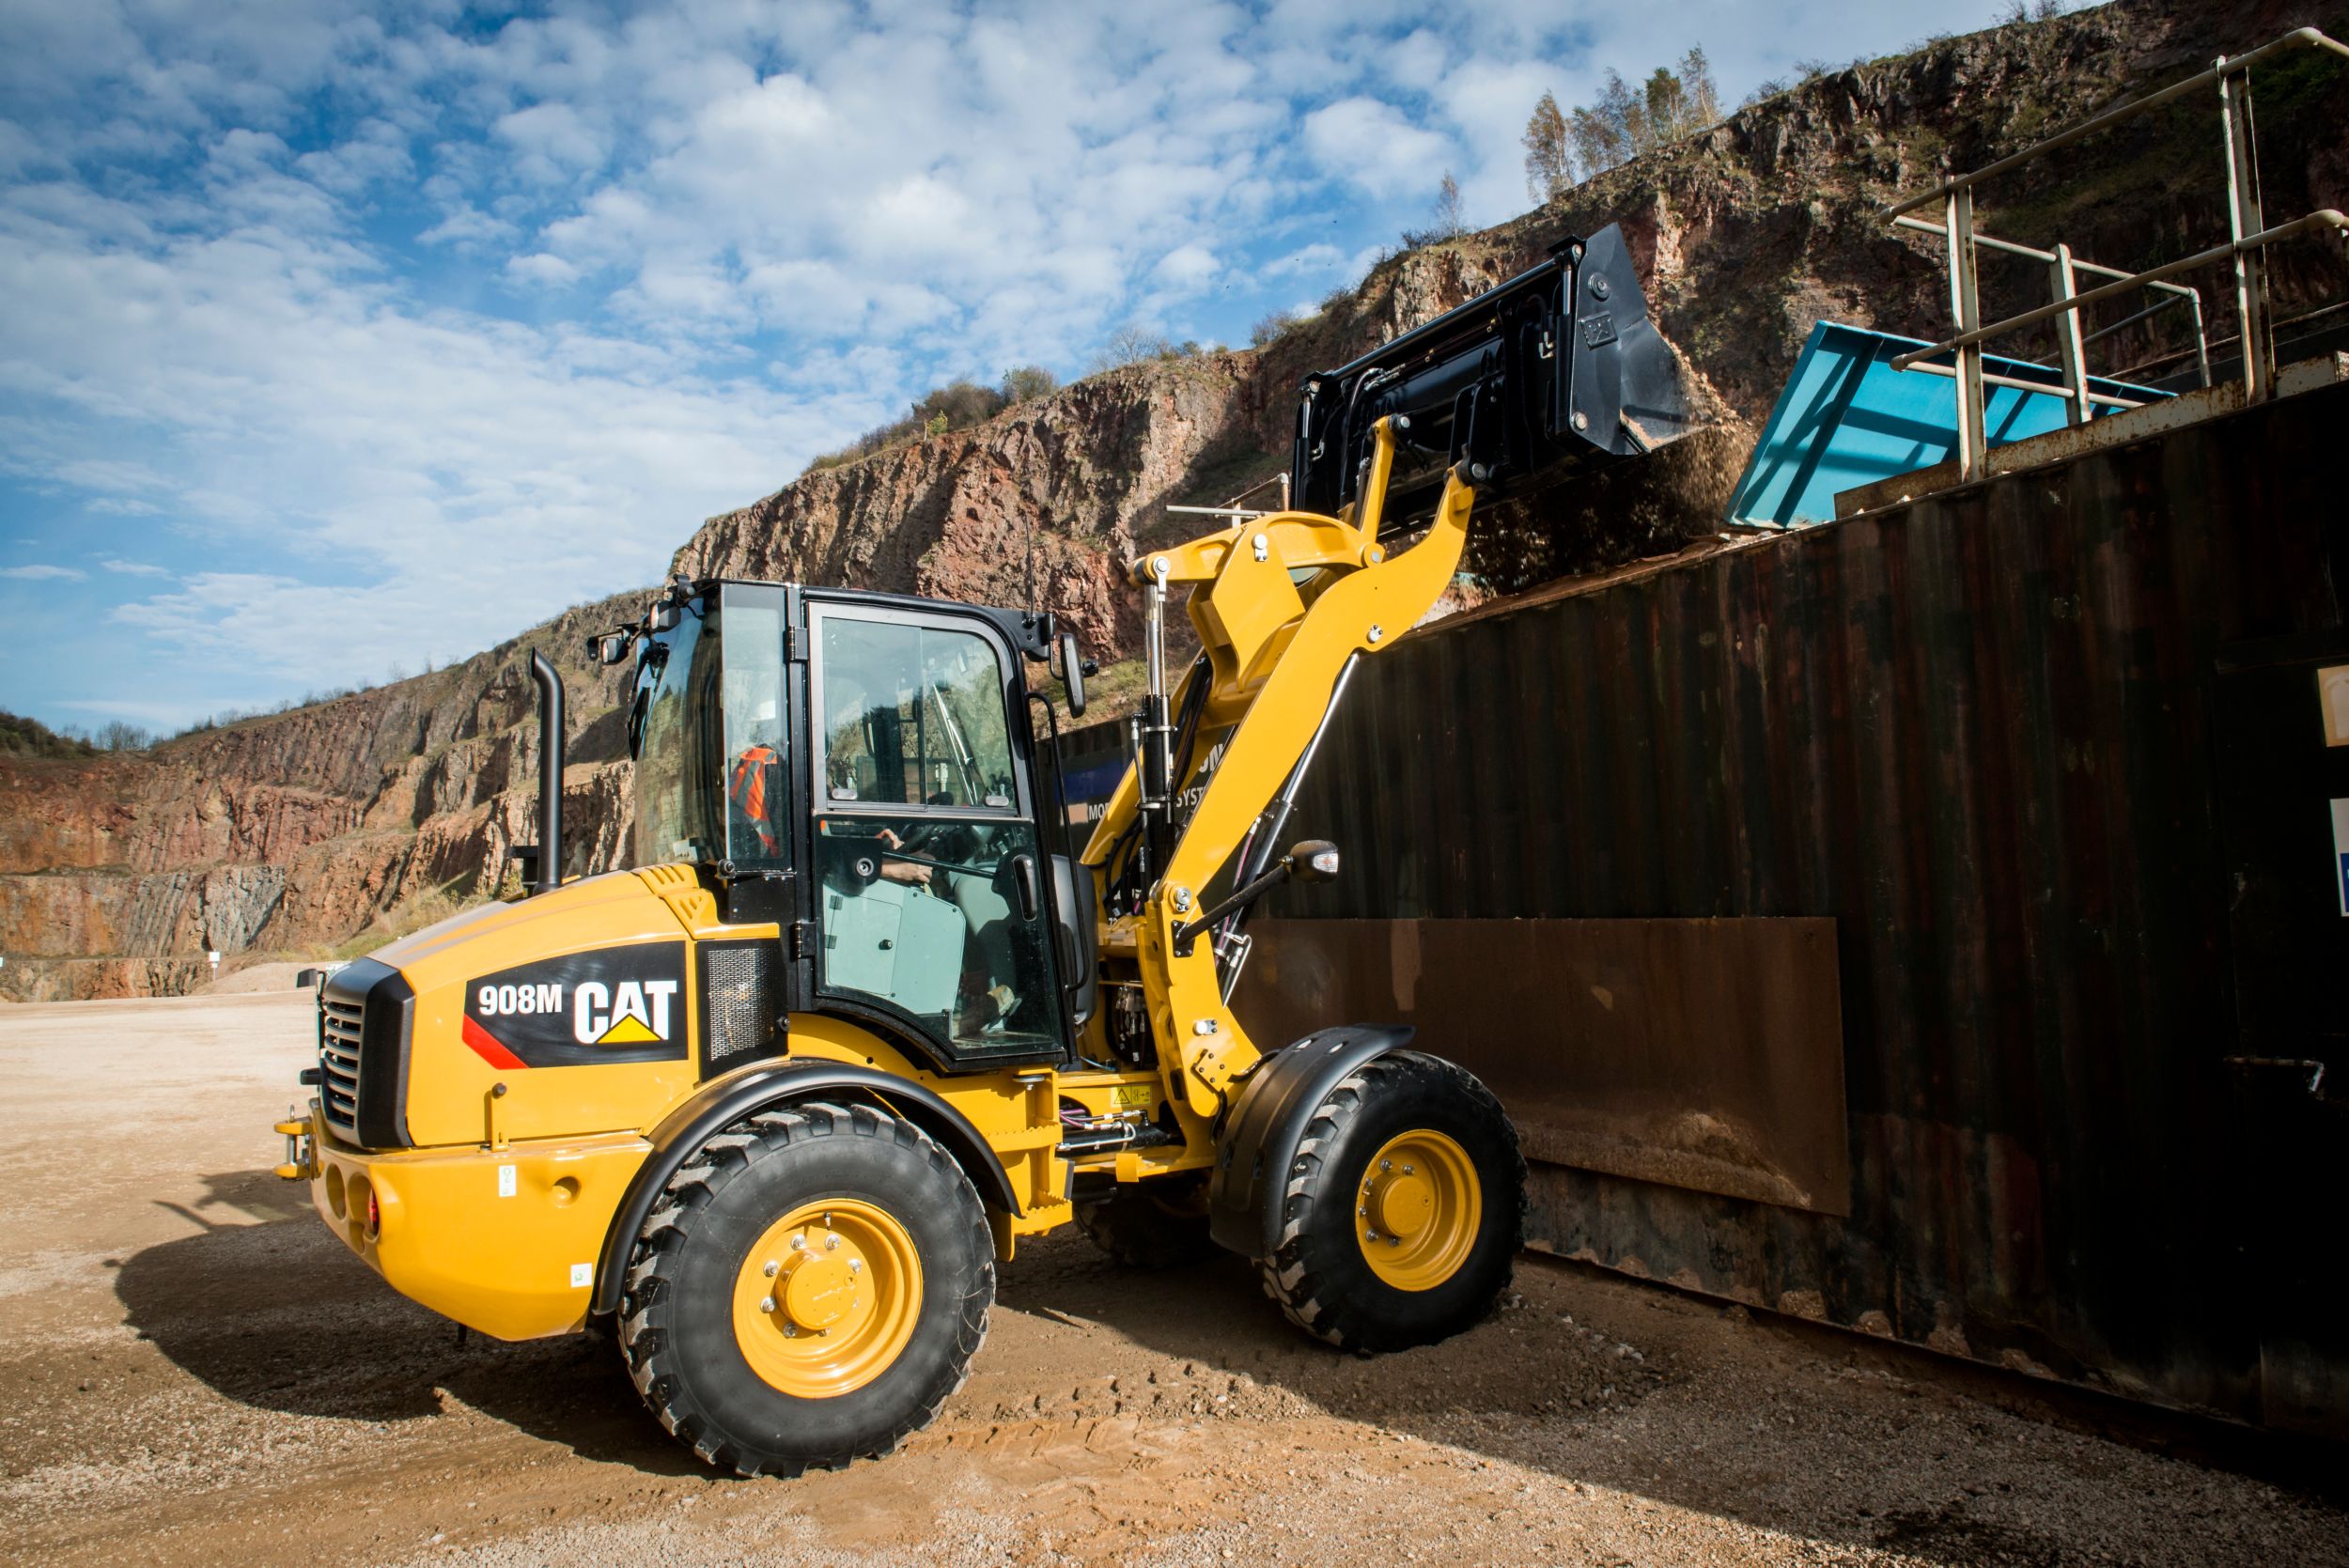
(659, 1246)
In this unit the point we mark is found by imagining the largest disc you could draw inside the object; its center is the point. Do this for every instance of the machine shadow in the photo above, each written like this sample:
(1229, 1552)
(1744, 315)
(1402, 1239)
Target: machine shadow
(268, 1308)
(1525, 1386)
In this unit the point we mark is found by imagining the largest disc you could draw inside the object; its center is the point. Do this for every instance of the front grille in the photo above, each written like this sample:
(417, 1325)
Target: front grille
(339, 1033)
(366, 1011)
(742, 1003)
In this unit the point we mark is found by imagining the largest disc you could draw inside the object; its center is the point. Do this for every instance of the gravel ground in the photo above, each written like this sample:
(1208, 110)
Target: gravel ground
(195, 1372)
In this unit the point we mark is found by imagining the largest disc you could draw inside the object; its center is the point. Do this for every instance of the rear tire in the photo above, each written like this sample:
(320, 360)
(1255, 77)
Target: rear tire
(810, 1288)
(1154, 1224)
(1404, 1209)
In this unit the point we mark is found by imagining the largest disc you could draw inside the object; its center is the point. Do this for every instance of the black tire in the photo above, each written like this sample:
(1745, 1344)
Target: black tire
(1320, 1275)
(1154, 1224)
(677, 1315)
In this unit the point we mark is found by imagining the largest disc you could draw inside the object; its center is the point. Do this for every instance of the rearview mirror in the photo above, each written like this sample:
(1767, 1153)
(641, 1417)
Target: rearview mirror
(611, 647)
(1314, 860)
(1072, 673)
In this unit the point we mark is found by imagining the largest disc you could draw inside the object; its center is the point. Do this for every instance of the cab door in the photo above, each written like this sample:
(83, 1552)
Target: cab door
(928, 877)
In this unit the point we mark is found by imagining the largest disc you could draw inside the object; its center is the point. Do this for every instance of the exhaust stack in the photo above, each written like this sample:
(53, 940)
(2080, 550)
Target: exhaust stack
(546, 864)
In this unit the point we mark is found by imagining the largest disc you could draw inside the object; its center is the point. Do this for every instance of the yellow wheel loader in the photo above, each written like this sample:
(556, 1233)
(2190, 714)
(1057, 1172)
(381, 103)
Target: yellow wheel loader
(776, 1102)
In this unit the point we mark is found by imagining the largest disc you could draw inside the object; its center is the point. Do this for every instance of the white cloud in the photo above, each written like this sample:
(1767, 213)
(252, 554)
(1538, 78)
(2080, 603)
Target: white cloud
(1307, 261)
(1370, 144)
(40, 572)
(551, 271)
(1187, 269)
(553, 140)
(372, 333)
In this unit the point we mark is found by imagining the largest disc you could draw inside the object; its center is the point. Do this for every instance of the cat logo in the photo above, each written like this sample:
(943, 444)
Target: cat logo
(583, 1009)
(632, 1014)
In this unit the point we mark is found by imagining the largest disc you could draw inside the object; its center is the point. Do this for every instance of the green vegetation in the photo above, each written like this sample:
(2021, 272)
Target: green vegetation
(956, 406)
(22, 737)
(30, 737)
(1279, 324)
(1134, 344)
(1565, 147)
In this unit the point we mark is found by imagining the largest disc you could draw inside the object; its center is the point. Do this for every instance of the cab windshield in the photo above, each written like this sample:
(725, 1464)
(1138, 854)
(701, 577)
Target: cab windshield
(705, 725)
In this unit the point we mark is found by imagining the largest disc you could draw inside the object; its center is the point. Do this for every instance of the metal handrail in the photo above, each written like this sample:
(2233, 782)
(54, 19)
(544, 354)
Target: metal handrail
(2298, 37)
(2034, 252)
(2249, 238)
(2178, 293)
(2325, 217)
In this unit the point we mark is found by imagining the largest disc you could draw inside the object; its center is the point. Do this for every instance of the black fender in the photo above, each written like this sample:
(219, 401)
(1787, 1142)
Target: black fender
(720, 1104)
(1277, 1099)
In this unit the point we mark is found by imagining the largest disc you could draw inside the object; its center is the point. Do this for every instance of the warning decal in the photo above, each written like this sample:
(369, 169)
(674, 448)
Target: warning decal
(614, 1004)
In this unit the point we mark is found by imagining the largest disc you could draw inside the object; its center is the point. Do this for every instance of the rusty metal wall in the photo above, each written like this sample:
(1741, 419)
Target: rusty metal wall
(1976, 731)
(1699, 1053)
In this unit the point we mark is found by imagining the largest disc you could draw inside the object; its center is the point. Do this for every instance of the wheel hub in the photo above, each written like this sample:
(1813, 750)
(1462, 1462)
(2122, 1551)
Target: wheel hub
(1404, 1204)
(826, 1299)
(820, 1290)
(1420, 1210)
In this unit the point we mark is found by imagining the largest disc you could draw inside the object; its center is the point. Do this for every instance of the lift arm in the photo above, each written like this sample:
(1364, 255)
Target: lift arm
(1275, 653)
(1558, 367)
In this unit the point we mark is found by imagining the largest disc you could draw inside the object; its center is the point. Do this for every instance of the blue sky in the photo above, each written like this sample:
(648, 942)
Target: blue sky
(337, 338)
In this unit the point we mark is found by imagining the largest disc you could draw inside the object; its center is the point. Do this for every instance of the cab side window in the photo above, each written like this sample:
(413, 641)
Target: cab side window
(913, 715)
(926, 859)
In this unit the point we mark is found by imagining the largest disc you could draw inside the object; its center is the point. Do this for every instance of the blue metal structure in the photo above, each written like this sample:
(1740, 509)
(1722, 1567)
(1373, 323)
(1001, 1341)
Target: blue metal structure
(1847, 418)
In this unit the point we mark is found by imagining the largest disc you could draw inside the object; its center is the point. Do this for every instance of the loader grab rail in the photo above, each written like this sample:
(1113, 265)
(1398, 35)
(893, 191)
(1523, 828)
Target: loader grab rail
(2248, 236)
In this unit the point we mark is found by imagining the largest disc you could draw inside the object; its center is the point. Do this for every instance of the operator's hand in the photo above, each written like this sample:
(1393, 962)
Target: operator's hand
(907, 872)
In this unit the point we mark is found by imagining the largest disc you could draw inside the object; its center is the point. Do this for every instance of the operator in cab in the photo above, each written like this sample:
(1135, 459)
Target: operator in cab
(868, 761)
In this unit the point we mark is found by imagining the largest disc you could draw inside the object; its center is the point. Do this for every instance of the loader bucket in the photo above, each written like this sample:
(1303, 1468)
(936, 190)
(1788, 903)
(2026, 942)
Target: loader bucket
(1557, 371)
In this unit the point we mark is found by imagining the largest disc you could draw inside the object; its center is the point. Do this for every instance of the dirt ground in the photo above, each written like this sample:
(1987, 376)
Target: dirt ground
(191, 1370)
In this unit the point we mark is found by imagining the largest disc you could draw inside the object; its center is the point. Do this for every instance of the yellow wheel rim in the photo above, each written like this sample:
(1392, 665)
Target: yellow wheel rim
(827, 1298)
(1418, 1209)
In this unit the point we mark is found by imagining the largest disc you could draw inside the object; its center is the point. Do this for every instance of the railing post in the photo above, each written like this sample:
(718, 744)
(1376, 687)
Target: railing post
(2201, 337)
(2243, 220)
(2074, 352)
(1973, 452)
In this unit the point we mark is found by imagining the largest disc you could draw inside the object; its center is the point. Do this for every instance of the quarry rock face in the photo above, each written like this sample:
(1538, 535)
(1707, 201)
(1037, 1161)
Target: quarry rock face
(298, 832)
(338, 825)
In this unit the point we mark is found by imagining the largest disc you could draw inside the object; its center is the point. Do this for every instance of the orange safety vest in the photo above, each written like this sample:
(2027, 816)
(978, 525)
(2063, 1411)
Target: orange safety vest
(749, 790)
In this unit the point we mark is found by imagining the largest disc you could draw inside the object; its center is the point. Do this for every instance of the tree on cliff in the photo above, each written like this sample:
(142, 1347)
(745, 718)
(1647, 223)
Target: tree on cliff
(1026, 381)
(1563, 148)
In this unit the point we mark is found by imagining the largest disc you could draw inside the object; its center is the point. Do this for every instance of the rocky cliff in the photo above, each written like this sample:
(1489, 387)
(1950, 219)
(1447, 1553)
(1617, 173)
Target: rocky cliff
(337, 825)
(329, 828)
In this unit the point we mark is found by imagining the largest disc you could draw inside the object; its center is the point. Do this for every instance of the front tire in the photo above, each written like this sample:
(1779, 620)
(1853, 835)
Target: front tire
(811, 1287)
(1404, 1210)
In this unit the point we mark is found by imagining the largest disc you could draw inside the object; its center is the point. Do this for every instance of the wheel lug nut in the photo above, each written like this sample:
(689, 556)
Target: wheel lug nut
(832, 1244)
(790, 1331)
(773, 1268)
(855, 1263)
(1407, 1170)
(1389, 1165)
(766, 1303)
(798, 1244)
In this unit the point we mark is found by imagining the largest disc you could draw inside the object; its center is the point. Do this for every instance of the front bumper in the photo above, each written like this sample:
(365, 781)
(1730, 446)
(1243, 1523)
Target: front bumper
(504, 1240)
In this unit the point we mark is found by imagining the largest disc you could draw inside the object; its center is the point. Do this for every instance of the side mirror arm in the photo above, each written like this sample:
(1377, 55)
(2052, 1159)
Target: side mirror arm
(1312, 861)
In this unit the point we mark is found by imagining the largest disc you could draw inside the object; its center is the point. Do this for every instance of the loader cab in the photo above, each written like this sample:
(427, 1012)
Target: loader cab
(859, 770)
